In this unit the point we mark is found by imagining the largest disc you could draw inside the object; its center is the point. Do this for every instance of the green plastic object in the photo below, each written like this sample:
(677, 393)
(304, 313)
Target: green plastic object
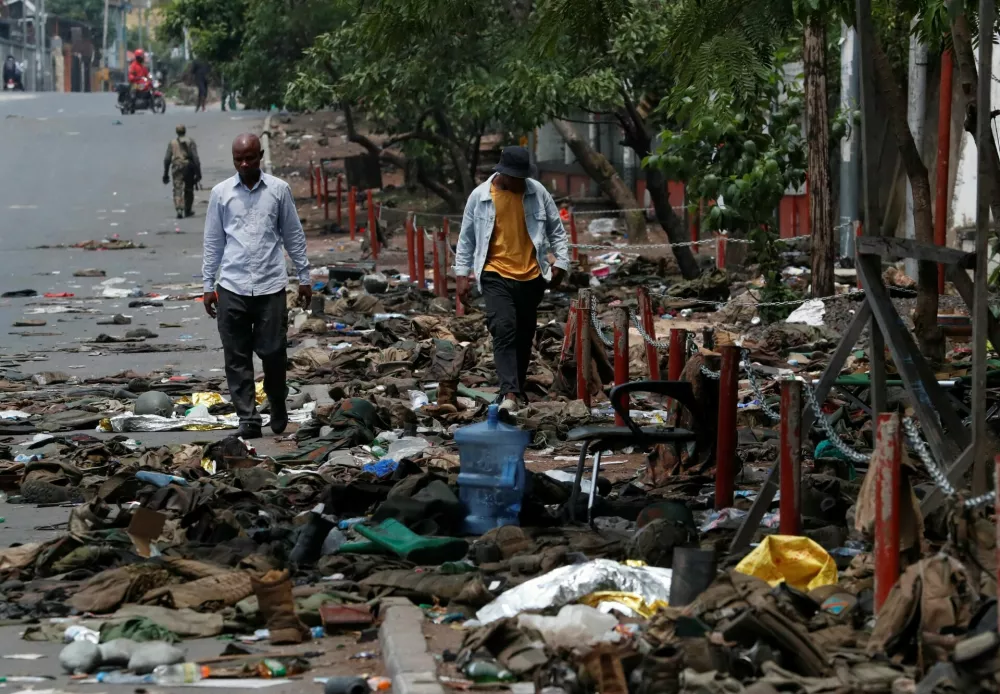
(406, 544)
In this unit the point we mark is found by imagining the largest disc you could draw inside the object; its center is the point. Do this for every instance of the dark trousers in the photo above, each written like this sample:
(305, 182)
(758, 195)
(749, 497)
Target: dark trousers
(511, 316)
(248, 325)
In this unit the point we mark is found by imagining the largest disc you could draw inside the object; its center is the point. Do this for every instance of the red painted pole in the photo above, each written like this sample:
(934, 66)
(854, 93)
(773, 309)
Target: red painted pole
(441, 244)
(725, 447)
(326, 195)
(312, 180)
(340, 199)
(943, 160)
(568, 332)
(678, 353)
(583, 347)
(352, 211)
(411, 262)
(421, 264)
(574, 251)
(886, 459)
(720, 250)
(646, 316)
(621, 353)
(790, 505)
(319, 184)
(372, 232)
(437, 265)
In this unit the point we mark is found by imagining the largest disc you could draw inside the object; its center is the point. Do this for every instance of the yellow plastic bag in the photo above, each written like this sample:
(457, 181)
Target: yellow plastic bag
(798, 560)
(632, 601)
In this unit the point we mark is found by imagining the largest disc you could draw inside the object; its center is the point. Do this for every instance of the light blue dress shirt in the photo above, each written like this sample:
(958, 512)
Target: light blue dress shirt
(245, 230)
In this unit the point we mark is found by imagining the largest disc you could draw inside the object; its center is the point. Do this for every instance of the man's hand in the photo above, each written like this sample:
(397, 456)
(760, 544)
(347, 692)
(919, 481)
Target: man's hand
(464, 290)
(557, 277)
(211, 300)
(166, 179)
(305, 295)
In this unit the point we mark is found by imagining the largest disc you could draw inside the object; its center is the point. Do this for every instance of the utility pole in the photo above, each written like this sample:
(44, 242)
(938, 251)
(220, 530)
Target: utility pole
(104, 43)
(41, 34)
(850, 146)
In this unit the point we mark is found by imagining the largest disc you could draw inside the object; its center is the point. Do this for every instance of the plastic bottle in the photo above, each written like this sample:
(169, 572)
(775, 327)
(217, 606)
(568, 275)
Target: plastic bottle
(159, 479)
(379, 684)
(487, 671)
(118, 677)
(181, 673)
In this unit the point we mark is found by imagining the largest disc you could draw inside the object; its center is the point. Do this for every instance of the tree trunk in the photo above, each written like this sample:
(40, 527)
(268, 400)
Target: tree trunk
(820, 188)
(452, 200)
(968, 78)
(600, 169)
(925, 316)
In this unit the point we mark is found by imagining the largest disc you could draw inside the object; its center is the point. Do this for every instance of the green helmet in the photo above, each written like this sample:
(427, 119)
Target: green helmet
(154, 402)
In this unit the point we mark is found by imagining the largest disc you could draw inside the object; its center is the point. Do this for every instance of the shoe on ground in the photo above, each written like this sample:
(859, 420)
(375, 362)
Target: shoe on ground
(279, 416)
(249, 431)
(180, 214)
(189, 213)
(508, 404)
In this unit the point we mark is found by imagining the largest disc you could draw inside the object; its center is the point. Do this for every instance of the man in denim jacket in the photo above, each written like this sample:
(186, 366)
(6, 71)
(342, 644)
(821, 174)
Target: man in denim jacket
(510, 226)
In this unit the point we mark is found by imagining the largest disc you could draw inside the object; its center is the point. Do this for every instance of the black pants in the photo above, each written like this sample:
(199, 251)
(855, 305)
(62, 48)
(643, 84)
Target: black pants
(511, 316)
(248, 325)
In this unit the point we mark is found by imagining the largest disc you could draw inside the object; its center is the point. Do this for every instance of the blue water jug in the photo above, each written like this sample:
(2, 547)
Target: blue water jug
(491, 481)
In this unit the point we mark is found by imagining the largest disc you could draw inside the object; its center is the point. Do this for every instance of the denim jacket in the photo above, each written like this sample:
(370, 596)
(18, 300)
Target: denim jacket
(544, 227)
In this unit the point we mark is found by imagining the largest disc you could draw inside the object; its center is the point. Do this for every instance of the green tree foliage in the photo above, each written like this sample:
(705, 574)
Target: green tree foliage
(741, 165)
(257, 44)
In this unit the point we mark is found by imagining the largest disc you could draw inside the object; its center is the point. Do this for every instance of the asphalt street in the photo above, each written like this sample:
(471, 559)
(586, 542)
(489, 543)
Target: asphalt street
(73, 169)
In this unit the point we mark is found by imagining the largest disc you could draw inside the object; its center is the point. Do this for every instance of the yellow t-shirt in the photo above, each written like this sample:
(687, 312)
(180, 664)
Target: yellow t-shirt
(511, 253)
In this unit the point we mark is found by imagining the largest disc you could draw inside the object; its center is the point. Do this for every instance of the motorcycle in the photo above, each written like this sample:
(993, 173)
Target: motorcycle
(148, 97)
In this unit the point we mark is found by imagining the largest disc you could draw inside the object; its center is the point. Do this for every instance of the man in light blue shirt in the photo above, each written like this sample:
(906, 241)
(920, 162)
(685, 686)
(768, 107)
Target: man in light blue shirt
(251, 216)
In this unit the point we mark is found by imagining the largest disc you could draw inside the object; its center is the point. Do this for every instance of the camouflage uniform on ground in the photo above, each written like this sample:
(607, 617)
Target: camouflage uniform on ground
(185, 169)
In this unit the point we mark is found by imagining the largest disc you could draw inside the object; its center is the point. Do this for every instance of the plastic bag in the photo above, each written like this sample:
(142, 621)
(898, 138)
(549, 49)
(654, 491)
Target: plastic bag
(574, 626)
(799, 561)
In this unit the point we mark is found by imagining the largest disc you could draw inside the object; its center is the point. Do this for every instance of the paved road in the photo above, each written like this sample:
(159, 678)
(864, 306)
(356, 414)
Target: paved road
(73, 169)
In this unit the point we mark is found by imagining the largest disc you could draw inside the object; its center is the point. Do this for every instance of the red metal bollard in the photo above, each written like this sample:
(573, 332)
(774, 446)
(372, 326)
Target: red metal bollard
(790, 505)
(441, 246)
(886, 459)
(372, 229)
(678, 353)
(411, 264)
(437, 265)
(725, 447)
(420, 259)
(646, 316)
(352, 211)
(319, 185)
(720, 250)
(326, 195)
(569, 332)
(574, 251)
(621, 353)
(583, 347)
(312, 180)
(340, 199)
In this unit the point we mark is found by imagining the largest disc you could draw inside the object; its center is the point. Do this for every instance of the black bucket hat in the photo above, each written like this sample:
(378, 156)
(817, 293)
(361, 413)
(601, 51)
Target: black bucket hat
(515, 161)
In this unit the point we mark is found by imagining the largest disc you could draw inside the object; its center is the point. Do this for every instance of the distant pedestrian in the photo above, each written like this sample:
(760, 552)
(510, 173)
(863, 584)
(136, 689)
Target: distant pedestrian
(250, 217)
(511, 224)
(183, 165)
(199, 71)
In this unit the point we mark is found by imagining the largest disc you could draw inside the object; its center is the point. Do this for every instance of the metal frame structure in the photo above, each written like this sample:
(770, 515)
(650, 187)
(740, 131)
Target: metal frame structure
(951, 443)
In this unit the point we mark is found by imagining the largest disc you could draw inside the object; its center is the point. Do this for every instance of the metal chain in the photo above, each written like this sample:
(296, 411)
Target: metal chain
(831, 434)
(705, 371)
(938, 476)
(755, 387)
(608, 342)
(645, 336)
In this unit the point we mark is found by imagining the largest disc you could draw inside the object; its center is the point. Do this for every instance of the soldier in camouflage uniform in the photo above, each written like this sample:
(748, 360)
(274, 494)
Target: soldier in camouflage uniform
(183, 165)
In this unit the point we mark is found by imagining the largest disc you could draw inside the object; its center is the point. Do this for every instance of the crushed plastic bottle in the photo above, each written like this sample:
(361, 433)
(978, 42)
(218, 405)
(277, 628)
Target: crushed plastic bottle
(481, 671)
(181, 673)
(119, 677)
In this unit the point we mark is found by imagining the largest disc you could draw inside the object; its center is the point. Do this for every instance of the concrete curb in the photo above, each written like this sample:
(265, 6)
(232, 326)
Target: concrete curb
(266, 143)
(404, 649)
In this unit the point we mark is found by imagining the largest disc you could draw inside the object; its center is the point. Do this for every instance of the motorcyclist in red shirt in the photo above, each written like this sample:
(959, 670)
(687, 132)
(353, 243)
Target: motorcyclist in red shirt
(138, 73)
